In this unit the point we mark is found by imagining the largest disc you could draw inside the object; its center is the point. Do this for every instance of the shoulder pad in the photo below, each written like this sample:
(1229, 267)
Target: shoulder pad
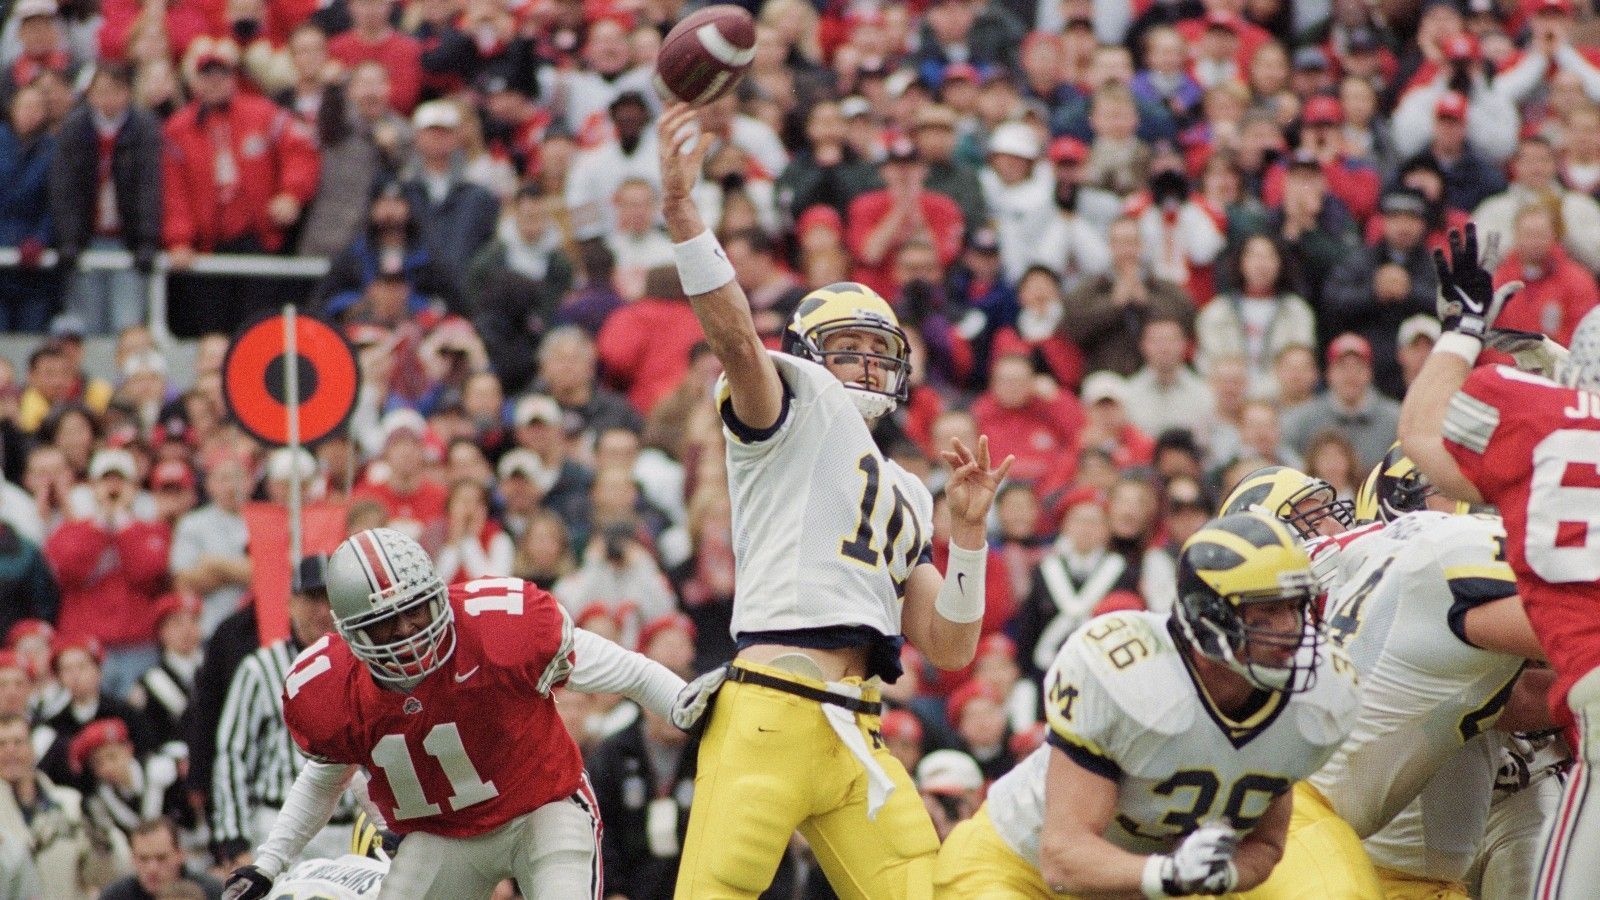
(516, 624)
(1134, 661)
(1326, 714)
(316, 698)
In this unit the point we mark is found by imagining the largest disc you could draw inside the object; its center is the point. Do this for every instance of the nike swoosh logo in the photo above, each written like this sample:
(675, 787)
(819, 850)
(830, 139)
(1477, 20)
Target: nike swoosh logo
(463, 676)
(961, 582)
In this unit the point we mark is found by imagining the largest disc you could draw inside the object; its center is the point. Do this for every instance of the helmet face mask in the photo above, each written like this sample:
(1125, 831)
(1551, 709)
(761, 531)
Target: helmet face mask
(1247, 600)
(381, 585)
(1394, 488)
(849, 307)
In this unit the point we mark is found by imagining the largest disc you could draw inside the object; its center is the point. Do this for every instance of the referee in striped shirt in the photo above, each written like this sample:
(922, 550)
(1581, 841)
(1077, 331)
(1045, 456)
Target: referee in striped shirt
(257, 760)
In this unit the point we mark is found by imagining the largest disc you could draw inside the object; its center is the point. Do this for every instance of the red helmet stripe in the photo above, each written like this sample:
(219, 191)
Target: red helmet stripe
(374, 559)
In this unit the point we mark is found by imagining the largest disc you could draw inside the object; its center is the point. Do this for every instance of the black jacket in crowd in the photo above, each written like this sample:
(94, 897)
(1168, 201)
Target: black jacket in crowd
(135, 175)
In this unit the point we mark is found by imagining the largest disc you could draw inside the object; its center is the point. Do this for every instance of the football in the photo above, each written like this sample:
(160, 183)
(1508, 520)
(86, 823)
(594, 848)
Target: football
(706, 54)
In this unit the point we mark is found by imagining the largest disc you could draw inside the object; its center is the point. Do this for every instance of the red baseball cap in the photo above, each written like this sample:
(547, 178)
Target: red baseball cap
(669, 622)
(1460, 46)
(965, 694)
(95, 735)
(900, 724)
(1068, 149)
(87, 644)
(1347, 344)
(27, 628)
(996, 643)
(1548, 7)
(172, 472)
(177, 602)
(819, 216)
(962, 72)
(1322, 110)
(1223, 19)
(1451, 106)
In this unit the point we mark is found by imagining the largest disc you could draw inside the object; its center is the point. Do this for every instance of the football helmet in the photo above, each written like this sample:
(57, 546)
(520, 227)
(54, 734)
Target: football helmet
(846, 305)
(1235, 561)
(376, 577)
(1581, 368)
(1283, 493)
(1395, 487)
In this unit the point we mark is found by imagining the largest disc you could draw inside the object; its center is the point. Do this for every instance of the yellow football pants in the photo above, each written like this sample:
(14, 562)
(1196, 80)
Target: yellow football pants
(770, 765)
(1322, 860)
(976, 864)
(1400, 886)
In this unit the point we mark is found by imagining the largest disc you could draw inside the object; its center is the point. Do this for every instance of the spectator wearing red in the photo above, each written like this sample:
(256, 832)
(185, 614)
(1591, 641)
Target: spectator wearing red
(644, 346)
(902, 736)
(883, 221)
(372, 39)
(43, 49)
(474, 544)
(236, 174)
(1352, 181)
(414, 501)
(1558, 291)
(1106, 426)
(112, 568)
(1224, 43)
(1037, 331)
(1024, 417)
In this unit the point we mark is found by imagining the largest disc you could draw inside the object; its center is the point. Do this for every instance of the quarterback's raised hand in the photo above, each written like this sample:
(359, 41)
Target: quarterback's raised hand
(247, 883)
(1202, 864)
(681, 147)
(971, 490)
(1468, 302)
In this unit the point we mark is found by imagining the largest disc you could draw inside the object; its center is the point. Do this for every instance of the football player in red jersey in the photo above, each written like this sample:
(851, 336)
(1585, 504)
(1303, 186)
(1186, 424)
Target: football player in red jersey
(1530, 444)
(443, 696)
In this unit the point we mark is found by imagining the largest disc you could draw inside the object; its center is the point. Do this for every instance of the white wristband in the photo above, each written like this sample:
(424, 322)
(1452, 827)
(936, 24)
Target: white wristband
(702, 265)
(1150, 883)
(1457, 344)
(960, 598)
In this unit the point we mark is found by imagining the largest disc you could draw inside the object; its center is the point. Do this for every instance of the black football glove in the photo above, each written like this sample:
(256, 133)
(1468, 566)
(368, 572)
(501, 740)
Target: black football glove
(1468, 302)
(247, 883)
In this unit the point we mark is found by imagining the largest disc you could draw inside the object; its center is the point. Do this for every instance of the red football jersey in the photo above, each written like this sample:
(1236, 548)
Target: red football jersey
(476, 743)
(1532, 448)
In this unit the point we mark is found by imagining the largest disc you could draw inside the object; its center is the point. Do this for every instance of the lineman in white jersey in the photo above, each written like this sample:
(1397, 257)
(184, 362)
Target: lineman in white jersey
(832, 564)
(1174, 739)
(1422, 614)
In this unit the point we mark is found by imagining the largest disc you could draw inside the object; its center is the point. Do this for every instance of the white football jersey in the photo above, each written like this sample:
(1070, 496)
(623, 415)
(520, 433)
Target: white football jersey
(349, 877)
(826, 529)
(1438, 835)
(1425, 692)
(1122, 702)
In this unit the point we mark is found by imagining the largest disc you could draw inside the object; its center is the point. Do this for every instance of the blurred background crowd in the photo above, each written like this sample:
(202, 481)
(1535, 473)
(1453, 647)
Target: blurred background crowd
(1145, 247)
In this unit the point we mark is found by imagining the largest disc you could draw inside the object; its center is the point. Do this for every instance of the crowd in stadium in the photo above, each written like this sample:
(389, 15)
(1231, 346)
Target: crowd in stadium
(1144, 247)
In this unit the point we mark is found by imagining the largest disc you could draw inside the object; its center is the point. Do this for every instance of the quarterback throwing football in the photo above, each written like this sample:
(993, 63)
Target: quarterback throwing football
(832, 563)
(443, 696)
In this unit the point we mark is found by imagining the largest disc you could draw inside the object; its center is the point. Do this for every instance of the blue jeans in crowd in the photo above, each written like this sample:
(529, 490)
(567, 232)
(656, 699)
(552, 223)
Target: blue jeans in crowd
(124, 665)
(107, 301)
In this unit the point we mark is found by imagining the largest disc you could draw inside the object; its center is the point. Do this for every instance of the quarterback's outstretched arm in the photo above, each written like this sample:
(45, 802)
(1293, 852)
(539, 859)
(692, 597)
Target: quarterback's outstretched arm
(601, 667)
(707, 275)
